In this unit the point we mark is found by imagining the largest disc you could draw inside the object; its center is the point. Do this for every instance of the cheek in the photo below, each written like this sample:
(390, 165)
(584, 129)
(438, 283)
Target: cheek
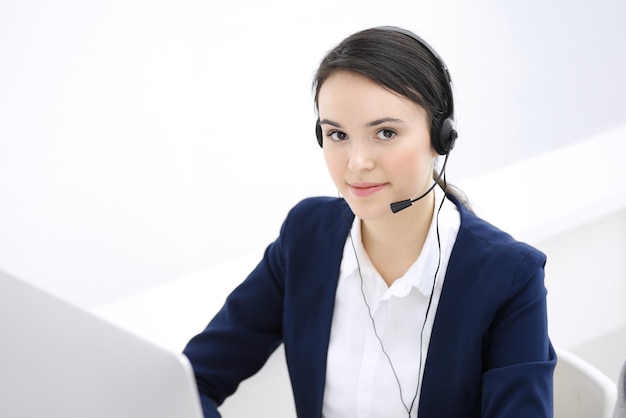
(409, 160)
(416, 167)
(333, 163)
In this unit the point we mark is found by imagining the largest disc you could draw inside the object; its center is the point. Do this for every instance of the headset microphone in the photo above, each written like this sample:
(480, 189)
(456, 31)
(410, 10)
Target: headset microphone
(403, 204)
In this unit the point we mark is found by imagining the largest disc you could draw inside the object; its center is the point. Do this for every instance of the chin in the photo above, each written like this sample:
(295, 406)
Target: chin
(369, 211)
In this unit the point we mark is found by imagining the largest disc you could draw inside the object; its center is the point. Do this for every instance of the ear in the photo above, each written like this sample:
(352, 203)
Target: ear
(318, 133)
(447, 137)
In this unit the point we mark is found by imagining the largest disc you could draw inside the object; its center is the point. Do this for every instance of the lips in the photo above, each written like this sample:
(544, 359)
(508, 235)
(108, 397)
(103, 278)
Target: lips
(365, 189)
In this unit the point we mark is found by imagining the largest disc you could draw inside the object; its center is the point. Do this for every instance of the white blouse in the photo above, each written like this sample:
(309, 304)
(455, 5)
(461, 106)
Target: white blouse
(359, 379)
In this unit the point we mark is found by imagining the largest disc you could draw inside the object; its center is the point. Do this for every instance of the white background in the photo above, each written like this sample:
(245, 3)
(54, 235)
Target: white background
(142, 141)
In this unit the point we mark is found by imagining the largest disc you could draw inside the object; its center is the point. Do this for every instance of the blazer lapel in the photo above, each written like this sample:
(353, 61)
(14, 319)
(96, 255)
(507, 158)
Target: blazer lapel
(451, 364)
(309, 306)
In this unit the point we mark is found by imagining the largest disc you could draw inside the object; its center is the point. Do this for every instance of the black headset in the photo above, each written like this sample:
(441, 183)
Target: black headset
(444, 138)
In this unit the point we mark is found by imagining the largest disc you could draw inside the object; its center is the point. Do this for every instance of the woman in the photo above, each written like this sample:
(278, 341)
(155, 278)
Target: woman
(418, 309)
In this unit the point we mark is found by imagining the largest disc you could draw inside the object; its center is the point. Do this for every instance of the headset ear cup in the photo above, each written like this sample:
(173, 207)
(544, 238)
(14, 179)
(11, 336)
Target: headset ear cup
(318, 134)
(446, 138)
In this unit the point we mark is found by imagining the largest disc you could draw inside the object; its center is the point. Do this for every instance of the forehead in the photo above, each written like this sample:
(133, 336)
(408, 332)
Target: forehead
(349, 93)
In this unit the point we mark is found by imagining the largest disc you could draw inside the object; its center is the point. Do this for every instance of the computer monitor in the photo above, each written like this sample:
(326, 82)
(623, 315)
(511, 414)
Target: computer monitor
(60, 361)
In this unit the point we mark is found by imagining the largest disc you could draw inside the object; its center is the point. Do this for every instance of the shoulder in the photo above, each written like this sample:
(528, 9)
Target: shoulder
(491, 265)
(320, 211)
(317, 218)
(484, 254)
(487, 239)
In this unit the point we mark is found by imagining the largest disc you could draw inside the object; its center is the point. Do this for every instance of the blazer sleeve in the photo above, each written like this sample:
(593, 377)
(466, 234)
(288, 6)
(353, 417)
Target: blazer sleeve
(520, 359)
(240, 338)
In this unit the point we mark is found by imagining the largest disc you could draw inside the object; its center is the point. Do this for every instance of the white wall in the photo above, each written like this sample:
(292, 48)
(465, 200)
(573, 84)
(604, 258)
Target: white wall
(143, 141)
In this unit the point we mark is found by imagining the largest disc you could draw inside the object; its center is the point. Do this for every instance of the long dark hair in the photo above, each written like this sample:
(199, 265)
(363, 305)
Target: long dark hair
(402, 65)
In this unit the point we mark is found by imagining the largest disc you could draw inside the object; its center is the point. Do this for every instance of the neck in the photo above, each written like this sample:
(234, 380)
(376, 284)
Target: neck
(394, 242)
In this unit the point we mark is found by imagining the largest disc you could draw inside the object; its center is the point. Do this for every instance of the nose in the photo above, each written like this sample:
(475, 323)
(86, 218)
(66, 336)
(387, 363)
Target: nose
(361, 156)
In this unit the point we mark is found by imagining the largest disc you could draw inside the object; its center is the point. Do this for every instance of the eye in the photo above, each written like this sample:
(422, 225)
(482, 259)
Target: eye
(337, 136)
(385, 134)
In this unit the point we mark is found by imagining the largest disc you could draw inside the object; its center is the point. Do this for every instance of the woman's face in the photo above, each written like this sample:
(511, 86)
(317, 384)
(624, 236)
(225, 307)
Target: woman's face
(376, 144)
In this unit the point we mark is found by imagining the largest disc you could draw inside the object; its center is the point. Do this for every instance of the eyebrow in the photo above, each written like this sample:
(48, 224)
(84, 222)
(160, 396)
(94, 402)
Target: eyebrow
(369, 124)
(384, 120)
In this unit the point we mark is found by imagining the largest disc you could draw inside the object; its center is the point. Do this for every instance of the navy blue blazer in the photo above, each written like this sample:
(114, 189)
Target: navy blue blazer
(489, 353)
